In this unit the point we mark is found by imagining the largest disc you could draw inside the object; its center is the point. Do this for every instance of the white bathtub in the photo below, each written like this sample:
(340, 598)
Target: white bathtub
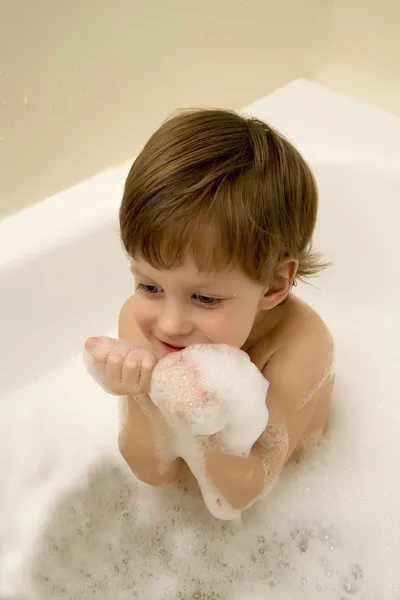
(74, 524)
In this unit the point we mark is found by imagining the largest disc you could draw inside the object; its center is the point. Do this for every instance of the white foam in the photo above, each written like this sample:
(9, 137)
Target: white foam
(74, 520)
(208, 389)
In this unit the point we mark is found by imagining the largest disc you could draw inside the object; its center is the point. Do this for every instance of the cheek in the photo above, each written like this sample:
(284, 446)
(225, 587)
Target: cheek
(228, 328)
(143, 311)
(215, 327)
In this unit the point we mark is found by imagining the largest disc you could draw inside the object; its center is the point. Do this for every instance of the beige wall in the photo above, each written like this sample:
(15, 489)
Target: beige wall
(83, 83)
(364, 61)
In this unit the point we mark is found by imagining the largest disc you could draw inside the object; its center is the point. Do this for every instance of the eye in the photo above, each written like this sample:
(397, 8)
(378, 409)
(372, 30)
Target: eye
(208, 300)
(148, 288)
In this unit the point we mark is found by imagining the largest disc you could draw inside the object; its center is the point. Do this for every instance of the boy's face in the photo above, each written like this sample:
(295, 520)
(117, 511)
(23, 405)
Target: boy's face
(180, 307)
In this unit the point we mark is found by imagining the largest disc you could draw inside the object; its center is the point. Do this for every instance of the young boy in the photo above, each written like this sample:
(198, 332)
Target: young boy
(217, 218)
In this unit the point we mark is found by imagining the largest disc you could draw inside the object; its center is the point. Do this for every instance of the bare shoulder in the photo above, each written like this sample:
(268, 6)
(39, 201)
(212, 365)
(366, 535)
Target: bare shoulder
(127, 326)
(304, 347)
(302, 360)
(300, 373)
(298, 330)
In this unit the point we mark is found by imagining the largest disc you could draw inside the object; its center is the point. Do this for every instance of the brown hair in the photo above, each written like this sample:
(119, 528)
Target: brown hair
(225, 189)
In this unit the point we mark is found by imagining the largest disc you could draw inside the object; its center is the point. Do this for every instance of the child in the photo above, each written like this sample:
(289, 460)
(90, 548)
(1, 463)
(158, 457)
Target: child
(217, 218)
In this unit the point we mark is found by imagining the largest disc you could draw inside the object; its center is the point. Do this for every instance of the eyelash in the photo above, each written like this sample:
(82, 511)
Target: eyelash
(215, 301)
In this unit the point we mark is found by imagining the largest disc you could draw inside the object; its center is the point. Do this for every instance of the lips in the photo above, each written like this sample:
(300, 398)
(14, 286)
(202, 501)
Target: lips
(171, 348)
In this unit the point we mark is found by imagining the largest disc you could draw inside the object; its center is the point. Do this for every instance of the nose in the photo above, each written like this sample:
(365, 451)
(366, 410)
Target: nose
(173, 321)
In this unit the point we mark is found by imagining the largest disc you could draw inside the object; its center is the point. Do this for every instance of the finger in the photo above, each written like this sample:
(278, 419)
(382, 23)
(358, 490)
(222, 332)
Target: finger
(96, 359)
(149, 361)
(114, 363)
(95, 354)
(137, 371)
(100, 347)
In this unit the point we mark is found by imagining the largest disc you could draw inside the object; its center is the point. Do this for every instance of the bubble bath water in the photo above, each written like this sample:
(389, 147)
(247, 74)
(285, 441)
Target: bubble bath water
(74, 522)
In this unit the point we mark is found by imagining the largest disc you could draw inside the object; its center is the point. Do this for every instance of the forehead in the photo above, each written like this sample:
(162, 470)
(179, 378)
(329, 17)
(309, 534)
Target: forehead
(187, 275)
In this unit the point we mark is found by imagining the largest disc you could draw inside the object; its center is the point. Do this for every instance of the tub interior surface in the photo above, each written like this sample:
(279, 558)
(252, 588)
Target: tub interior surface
(73, 522)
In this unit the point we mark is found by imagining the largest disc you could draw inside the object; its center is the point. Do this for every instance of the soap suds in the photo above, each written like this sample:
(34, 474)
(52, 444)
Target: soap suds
(211, 389)
(74, 520)
(273, 446)
(324, 371)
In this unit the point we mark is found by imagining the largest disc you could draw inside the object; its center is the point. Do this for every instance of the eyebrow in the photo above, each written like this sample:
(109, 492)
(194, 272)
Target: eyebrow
(199, 286)
(135, 271)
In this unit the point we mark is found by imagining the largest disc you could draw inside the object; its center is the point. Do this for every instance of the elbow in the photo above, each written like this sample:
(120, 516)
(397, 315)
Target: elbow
(242, 494)
(240, 480)
(144, 464)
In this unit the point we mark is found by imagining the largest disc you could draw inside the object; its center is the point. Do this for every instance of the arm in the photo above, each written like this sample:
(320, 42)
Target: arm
(143, 424)
(299, 381)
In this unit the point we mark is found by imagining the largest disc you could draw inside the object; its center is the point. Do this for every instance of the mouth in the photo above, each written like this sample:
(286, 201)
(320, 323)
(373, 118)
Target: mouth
(170, 348)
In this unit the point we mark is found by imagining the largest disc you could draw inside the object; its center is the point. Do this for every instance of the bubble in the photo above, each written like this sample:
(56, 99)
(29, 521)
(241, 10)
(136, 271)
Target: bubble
(357, 572)
(349, 587)
(201, 391)
(303, 546)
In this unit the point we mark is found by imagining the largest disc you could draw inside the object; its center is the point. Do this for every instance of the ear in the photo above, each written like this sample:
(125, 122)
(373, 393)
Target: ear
(281, 284)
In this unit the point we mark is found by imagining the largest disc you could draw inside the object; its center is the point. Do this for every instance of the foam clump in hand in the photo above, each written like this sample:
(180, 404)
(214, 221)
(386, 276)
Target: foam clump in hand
(210, 389)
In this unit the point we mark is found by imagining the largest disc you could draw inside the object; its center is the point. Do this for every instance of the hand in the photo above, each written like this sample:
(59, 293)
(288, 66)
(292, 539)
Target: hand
(120, 366)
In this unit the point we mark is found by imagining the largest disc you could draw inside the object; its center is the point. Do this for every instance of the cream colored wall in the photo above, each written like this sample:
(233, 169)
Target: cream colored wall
(83, 83)
(364, 60)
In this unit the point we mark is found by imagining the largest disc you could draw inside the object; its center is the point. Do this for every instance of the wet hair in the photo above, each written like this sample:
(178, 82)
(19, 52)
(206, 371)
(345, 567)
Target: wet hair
(224, 190)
